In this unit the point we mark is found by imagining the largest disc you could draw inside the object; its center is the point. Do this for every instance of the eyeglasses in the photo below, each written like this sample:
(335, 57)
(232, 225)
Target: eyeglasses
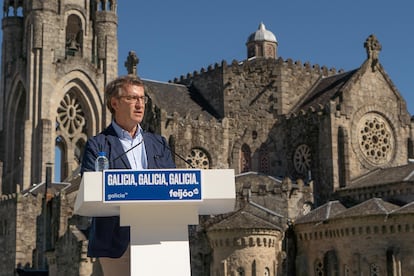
(133, 98)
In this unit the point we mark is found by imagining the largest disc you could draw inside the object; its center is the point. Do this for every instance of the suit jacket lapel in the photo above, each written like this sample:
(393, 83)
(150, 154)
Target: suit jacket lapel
(118, 157)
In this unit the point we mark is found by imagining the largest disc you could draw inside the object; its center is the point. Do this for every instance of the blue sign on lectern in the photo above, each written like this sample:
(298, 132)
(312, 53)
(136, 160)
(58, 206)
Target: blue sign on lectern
(151, 185)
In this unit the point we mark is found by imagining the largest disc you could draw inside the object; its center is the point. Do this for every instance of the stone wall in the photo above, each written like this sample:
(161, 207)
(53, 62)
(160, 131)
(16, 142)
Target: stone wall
(246, 252)
(361, 245)
(8, 212)
(22, 229)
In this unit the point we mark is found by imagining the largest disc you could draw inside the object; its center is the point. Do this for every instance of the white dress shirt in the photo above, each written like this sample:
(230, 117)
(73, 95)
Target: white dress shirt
(137, 157)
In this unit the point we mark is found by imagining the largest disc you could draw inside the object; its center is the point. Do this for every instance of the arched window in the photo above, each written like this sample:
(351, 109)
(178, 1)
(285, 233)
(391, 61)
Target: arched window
(410, 147)
(347, 271)
(390, 262)
(254, 268)
(319, 271)
(12, 8)
(342, 165)
(71, 138)
(330, 263)
(74, 35)
(393, 263)
(60, 157)
(106, 5)
(264, 162)
(374, 270)
(245, 158)
(13, 165)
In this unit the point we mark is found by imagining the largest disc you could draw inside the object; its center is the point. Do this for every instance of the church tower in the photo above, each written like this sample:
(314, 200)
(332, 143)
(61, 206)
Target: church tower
(57, 57)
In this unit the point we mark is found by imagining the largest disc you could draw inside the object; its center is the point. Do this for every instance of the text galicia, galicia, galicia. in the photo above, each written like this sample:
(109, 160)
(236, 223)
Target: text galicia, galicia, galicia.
(117, 179)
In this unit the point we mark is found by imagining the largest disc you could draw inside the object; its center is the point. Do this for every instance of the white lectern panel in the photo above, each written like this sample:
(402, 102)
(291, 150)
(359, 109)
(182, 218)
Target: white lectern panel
(159, 228)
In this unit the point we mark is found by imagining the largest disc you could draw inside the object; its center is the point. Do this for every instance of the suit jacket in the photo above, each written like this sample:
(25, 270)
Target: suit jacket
(106, 237)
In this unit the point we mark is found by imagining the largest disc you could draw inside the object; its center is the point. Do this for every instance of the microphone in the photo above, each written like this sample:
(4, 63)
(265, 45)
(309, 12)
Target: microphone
(179, 156)
(156, 156)
(176, 154)
(125, 152)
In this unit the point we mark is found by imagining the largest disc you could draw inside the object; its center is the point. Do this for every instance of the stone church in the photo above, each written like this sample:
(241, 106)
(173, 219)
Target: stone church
(323, 158)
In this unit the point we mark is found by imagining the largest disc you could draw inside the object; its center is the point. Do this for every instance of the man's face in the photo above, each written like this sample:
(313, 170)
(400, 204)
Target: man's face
(129, 106)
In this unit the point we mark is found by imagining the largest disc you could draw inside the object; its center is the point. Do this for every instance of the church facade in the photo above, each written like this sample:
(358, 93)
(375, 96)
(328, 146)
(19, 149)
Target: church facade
(321, 156)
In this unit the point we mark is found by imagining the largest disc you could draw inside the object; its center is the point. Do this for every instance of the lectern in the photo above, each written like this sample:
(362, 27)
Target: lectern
(158, 205)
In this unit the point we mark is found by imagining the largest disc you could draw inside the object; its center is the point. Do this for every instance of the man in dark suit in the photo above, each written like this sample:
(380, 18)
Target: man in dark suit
(127, 146)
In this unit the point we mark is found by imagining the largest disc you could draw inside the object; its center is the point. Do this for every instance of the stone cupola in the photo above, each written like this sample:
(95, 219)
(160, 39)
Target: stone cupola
(262, 43)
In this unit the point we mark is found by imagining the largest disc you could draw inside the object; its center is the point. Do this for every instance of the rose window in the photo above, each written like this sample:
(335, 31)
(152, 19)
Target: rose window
(198, 159)
(70, 116)
(376, 140)
(302, 159)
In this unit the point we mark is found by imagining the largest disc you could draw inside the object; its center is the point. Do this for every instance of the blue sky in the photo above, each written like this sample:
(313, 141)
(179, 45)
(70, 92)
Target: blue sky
(173, 38)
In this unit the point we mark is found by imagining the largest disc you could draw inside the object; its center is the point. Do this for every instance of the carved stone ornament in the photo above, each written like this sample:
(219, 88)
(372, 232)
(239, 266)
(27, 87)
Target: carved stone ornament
(375, 138)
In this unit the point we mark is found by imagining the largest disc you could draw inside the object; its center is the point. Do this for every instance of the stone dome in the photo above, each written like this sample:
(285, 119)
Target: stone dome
(262, 35)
